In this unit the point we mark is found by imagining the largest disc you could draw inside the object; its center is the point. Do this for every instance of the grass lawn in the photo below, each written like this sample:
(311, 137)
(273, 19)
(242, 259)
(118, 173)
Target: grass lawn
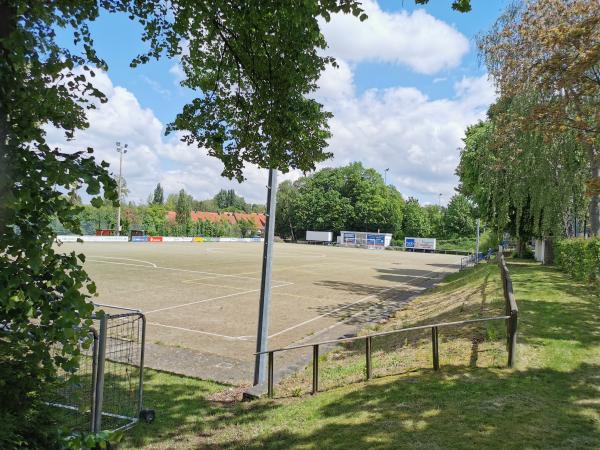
(487, 240)
(550, 400)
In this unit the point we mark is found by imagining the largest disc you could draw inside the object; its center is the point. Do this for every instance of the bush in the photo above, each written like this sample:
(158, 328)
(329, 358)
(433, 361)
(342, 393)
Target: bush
(580, 258)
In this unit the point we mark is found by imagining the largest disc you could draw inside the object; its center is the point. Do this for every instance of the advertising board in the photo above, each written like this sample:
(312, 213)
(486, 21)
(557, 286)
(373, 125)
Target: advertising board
(348, 238)
(416, 243)
(376, 239)
(319, 236)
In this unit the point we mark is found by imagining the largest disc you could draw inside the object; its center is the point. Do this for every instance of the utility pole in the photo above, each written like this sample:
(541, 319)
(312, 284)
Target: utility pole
(121, 151)
(385, 176)
(477, 243)
(262, 336)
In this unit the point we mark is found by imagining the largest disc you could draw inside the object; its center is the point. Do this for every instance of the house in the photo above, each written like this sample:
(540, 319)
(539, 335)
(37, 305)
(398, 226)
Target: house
(232, 218)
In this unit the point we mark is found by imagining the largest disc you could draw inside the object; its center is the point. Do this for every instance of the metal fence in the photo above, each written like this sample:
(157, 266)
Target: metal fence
(511, 319)
(106, 391)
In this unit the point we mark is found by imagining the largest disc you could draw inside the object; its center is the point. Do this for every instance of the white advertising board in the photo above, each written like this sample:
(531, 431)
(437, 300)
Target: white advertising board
(320, 236)
(419, 243)
(73, 238)
(177, 239)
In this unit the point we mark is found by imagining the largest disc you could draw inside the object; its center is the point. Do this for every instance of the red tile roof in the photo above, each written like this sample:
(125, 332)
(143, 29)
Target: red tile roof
(230, 217)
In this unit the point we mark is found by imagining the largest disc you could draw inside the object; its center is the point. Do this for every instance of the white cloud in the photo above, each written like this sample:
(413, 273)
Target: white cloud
(151, 157)
(401, 128)
(418, 40)
(178, 74)
(156, 86)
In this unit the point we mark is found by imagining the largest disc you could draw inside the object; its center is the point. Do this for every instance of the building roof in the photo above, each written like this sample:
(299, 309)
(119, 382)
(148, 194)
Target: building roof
(230, 217)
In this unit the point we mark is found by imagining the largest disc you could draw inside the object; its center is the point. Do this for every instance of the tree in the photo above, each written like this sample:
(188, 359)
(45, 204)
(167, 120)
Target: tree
(520, 181)
(247, 227)
(183, 208)
(545, 53)
(435, 216)
(459, 219)
(44, 293)
(154, 219)
(158, 196)
(343, 198)
(415, 222)
(284, 216)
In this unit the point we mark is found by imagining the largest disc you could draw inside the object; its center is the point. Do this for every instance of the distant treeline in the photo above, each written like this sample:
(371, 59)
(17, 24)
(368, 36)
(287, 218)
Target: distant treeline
(356, 198)
(152, 217)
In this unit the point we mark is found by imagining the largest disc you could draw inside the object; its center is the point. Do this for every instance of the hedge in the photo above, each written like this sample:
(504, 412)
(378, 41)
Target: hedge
(580, 258)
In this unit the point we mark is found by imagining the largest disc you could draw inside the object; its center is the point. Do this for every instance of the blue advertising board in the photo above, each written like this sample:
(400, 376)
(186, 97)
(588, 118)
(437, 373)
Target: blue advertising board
(375, 239)
(409, 242)
(139, 238)
(349, 238)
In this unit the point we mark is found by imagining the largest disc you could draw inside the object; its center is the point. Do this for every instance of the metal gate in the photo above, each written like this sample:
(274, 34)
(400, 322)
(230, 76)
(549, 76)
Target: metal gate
(106, 390)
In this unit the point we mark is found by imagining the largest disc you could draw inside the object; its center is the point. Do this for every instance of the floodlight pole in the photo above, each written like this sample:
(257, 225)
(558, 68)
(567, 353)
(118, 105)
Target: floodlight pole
(262, 336)
(121, 151)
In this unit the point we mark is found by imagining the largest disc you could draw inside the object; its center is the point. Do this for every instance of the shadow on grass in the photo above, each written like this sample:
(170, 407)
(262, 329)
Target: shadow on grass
(184, 408)
(456, 408)
(553, 307)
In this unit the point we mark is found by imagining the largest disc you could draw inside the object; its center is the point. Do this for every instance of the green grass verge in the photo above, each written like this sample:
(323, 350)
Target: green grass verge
(550, 400)
(487, 240)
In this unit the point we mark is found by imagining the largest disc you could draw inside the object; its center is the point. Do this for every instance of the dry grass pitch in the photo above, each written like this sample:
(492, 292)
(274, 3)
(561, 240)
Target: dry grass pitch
(201, 300)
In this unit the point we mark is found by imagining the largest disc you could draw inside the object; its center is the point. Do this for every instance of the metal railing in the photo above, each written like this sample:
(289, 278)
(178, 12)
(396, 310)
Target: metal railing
(511, 327)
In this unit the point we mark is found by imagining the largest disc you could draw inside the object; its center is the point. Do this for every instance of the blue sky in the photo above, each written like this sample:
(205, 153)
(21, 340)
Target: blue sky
(409, 83)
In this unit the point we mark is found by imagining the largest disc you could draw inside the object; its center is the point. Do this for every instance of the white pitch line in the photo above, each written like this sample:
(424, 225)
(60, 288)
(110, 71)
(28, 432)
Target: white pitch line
(125, 259)
(233, 338)
(154, 266)
(166, 308)
(235, 294)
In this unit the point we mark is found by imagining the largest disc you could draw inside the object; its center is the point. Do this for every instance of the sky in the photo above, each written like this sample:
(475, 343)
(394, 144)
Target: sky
(409, 82)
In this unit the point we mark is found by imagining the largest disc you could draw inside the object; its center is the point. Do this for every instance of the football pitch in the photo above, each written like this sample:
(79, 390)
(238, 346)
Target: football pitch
(201, 299)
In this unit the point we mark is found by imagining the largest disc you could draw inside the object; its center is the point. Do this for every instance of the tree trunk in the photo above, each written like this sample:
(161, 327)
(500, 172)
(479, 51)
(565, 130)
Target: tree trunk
(595, 198)
(8, 20)
(521, 247)
(548, 251)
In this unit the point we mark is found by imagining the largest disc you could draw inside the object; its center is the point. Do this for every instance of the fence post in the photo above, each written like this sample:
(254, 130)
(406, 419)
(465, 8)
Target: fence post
(94, 375)
(142, 355)
(270, 376)
(97, 414)
(315, 384)
(368, 355)
(512, 339)
(435, 348)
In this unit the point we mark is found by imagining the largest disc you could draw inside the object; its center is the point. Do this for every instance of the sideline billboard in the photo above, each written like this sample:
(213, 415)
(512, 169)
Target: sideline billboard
(74, 238)
(416, 243)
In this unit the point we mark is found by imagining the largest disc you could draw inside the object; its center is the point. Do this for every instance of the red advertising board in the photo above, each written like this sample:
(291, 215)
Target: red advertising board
(155, 238)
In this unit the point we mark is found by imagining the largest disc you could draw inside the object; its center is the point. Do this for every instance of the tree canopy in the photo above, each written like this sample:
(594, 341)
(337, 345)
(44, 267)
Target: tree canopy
(335, 199)
(544, 132)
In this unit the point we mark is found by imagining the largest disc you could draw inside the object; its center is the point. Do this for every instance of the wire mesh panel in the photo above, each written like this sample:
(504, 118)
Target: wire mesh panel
(123, 370)
(74, 393)
(105, 392)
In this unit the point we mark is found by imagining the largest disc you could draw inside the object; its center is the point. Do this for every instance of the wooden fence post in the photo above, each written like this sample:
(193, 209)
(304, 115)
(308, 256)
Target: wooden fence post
(435, 348)
(315, 381)
(270, 376)
(368, 354)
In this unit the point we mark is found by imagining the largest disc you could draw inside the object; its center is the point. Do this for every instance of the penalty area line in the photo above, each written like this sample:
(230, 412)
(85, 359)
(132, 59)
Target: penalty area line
(232, 338)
